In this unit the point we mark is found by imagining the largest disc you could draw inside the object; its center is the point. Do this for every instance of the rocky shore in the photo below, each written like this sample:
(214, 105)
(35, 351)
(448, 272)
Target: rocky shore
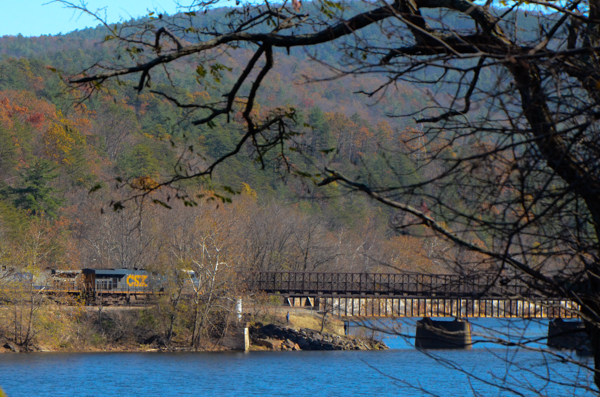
(276, 337)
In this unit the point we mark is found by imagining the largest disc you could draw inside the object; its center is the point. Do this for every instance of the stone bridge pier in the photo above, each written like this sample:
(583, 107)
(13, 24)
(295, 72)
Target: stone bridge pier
(569, 335)
(435, 334)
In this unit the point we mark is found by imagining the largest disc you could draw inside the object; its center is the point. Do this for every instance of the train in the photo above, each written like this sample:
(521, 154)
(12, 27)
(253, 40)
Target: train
(96, 286)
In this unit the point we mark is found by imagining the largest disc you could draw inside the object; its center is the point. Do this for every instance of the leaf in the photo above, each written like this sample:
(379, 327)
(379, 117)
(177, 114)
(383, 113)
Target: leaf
(159, 202)
(303, 174)
(223, 199)
(230, 190)
(201, 71)
(96, 187)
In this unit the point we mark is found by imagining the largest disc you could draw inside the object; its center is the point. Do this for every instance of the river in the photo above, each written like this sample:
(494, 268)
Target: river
(401, 371)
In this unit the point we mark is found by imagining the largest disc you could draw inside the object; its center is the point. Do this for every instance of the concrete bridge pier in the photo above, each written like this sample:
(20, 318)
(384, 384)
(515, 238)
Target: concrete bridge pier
(568, 335)
(432, 334)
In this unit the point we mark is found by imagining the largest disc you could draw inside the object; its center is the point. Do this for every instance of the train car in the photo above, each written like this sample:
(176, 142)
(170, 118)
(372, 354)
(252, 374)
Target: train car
(117, 286)
(58, 285)
(95, 286)
(61, 281)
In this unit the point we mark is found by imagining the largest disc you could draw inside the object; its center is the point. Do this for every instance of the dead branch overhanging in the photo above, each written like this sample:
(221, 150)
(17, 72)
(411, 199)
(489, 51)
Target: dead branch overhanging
(430, 222)
(274, 40)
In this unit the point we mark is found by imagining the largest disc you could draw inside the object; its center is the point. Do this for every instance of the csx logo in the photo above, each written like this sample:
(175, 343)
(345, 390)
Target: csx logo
(137, 281)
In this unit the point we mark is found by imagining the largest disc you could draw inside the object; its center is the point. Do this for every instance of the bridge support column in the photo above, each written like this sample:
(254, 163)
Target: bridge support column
(567, 335)
(443, 334)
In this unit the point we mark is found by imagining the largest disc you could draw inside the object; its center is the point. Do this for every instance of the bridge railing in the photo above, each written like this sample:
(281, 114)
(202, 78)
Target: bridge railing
(398, 284)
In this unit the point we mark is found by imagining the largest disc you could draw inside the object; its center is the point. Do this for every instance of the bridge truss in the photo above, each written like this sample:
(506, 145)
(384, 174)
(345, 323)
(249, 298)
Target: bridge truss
(415, 295)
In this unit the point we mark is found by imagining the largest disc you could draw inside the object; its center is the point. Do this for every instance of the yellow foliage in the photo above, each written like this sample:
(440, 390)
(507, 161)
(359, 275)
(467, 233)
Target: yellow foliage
(58, 143)
(62, 138)
(201, 95)
(144, 183)
(248, 191)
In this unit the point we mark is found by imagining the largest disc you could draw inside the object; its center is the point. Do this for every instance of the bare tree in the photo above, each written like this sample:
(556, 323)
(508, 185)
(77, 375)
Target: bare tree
(126, 239)
(115, 124)
(510, 140)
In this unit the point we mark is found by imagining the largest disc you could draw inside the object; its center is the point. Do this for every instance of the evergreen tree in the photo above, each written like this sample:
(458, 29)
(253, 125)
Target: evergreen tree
(34, 191)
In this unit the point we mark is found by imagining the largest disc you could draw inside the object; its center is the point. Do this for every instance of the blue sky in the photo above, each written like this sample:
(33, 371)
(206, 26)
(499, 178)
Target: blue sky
(38, 17)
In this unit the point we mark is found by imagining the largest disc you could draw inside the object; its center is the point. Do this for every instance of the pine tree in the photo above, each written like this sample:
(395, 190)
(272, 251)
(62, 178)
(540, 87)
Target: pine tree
(34, 191)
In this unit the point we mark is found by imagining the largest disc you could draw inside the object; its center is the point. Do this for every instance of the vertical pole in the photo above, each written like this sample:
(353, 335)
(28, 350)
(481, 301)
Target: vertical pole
(561, 310)
(359, 306)
(386, 303)
(404, 308)
(484, 308)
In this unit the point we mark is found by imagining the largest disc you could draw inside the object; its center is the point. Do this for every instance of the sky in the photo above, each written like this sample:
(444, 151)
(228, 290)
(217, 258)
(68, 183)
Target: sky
(39, 17)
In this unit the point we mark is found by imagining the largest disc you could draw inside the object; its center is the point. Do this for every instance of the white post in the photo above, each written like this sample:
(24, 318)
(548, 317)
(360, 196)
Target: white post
(238, 309)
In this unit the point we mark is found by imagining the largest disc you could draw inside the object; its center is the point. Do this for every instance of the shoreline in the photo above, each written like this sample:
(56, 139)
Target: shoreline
(63, 332)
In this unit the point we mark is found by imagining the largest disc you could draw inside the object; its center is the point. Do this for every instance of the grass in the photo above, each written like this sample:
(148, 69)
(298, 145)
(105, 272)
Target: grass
(299, 318)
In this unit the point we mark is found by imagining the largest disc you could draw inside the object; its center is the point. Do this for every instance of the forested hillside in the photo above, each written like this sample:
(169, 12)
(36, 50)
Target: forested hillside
(63, 161)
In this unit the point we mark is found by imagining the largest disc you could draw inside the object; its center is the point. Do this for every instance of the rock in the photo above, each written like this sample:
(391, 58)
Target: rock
(286, 338)
(33, 348)
(304, 344)
(264, 343)
(272, 344)
(276, 344)
(12, 346)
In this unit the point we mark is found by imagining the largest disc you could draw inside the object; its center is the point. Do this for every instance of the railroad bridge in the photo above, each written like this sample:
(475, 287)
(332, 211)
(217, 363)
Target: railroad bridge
(415, 295)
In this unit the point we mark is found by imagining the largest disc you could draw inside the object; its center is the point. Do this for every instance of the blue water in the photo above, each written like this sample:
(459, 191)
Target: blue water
(485, 370)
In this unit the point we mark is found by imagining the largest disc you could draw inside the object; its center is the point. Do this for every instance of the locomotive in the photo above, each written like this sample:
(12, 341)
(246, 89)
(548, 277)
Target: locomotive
(96, 286)
(114, 286)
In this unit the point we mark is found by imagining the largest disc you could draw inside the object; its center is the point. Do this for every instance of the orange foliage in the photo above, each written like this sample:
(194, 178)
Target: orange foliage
(407, 253)
(24, 108)
(385, 130)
